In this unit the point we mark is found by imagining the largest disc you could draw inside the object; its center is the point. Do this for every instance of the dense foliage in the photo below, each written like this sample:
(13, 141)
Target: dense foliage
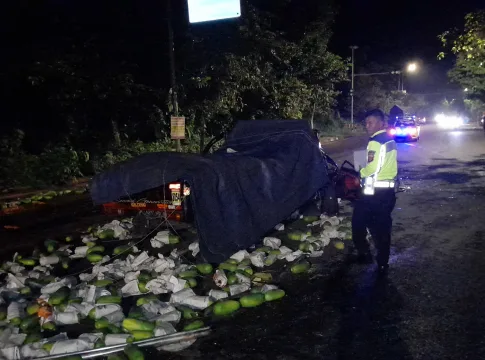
(468, 45)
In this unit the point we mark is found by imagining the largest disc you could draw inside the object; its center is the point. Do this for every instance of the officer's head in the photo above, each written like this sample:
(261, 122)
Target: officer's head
(375, 120)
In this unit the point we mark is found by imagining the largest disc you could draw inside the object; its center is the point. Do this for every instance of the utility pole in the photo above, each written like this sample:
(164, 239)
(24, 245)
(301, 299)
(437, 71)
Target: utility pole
(353, 48)
(173, 80)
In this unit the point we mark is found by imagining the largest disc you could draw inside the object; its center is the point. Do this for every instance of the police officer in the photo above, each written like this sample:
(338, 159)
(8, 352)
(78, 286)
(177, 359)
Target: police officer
(373, 208)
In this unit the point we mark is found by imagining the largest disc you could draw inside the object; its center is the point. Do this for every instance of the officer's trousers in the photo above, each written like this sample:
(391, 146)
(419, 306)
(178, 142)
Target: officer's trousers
(373, 212)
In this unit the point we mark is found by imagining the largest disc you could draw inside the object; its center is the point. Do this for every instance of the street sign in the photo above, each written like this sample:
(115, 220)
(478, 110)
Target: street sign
(177, 127)
(208, 10)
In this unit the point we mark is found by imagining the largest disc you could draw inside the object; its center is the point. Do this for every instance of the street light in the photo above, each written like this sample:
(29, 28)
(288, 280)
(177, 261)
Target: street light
(353, 48)
(412, 67)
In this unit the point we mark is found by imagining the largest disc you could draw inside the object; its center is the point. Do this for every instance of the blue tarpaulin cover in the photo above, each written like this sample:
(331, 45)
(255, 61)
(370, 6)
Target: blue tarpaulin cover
(264, 172)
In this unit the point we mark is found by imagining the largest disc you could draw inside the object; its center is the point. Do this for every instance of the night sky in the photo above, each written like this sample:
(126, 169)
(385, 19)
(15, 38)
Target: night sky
(394, 37)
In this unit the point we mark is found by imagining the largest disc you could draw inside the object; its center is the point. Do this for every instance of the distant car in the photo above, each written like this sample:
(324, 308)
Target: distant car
(405, 130)
(421, 120)
(482, 122)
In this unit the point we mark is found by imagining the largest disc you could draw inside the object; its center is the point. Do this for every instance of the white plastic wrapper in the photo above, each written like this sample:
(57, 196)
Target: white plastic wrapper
(333, 221)
(58, 337)
(101, 292)
(105, 310)
(16, 339)
(42, 270)
(161, 239)
(121, 229)
(130, 289)
(35, 274)
(67, 346)
(173, 316)
(218, 295)
(194, 247)
(66, 318)
(83, 308)
(162, 264)
(115, 317)
(88, 238)
(165, 284)
(15, 310)
(87, 277)
(325, 239)
(196, 302)
(220, 278)
(130, 276)
(315, 254)
(115, 339)
(240, 255)
(140, 259)
(16, 268)
(49, 260)
(178, 297)
(164, 329)
(15, 282)
(32, 351)
(91, 337)
(284, 252)
(272, 242)
(243, 279)
(280, 227)
(156, 307)
(257, 259)
(79, 252)
(294, 255)
(10, 353)
(239, 288)
(53, 287)
(331, 232)
(174, 254)
(90, 294)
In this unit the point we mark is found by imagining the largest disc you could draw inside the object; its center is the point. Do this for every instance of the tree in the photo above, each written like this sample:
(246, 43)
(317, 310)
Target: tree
(261, 69)
(468, 45)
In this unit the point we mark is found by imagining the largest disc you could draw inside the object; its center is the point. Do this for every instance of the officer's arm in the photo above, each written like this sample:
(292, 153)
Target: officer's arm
(372, 159)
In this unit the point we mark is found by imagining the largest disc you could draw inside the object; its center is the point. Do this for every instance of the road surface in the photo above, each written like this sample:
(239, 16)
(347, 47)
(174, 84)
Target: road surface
(431, 304)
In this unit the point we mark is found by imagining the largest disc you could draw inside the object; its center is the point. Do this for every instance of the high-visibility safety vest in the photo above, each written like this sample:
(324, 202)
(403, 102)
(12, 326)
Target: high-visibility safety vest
(381, 168)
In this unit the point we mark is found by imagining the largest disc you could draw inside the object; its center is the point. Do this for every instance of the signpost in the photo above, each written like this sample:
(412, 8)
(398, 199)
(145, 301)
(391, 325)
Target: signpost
(199, 11)
(177, 124)
(208, 10)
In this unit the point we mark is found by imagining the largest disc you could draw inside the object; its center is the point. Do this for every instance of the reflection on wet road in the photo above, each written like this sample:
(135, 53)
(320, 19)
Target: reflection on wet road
(430, 306)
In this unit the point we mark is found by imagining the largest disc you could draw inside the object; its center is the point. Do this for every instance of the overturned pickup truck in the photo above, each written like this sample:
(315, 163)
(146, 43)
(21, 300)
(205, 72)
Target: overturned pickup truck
(264, 171)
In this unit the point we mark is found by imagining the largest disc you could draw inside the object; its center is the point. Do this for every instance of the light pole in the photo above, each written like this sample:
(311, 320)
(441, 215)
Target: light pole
(411, 68)
(353, 48)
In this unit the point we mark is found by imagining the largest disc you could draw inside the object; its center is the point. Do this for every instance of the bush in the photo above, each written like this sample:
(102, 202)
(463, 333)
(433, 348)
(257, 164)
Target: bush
(56, 165)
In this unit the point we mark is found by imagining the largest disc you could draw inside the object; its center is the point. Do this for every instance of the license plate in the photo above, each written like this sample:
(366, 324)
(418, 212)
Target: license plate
(176, 200)
(138, 205)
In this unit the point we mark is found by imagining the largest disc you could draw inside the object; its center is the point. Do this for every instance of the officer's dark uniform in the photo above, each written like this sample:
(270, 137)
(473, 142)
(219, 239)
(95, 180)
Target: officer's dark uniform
(373, 209)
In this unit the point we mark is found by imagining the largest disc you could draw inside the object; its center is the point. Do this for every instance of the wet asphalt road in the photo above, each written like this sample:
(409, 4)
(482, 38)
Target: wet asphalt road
(431, 304)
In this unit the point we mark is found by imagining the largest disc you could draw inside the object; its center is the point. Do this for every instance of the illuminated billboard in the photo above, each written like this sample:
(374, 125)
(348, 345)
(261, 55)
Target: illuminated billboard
(208, 10)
